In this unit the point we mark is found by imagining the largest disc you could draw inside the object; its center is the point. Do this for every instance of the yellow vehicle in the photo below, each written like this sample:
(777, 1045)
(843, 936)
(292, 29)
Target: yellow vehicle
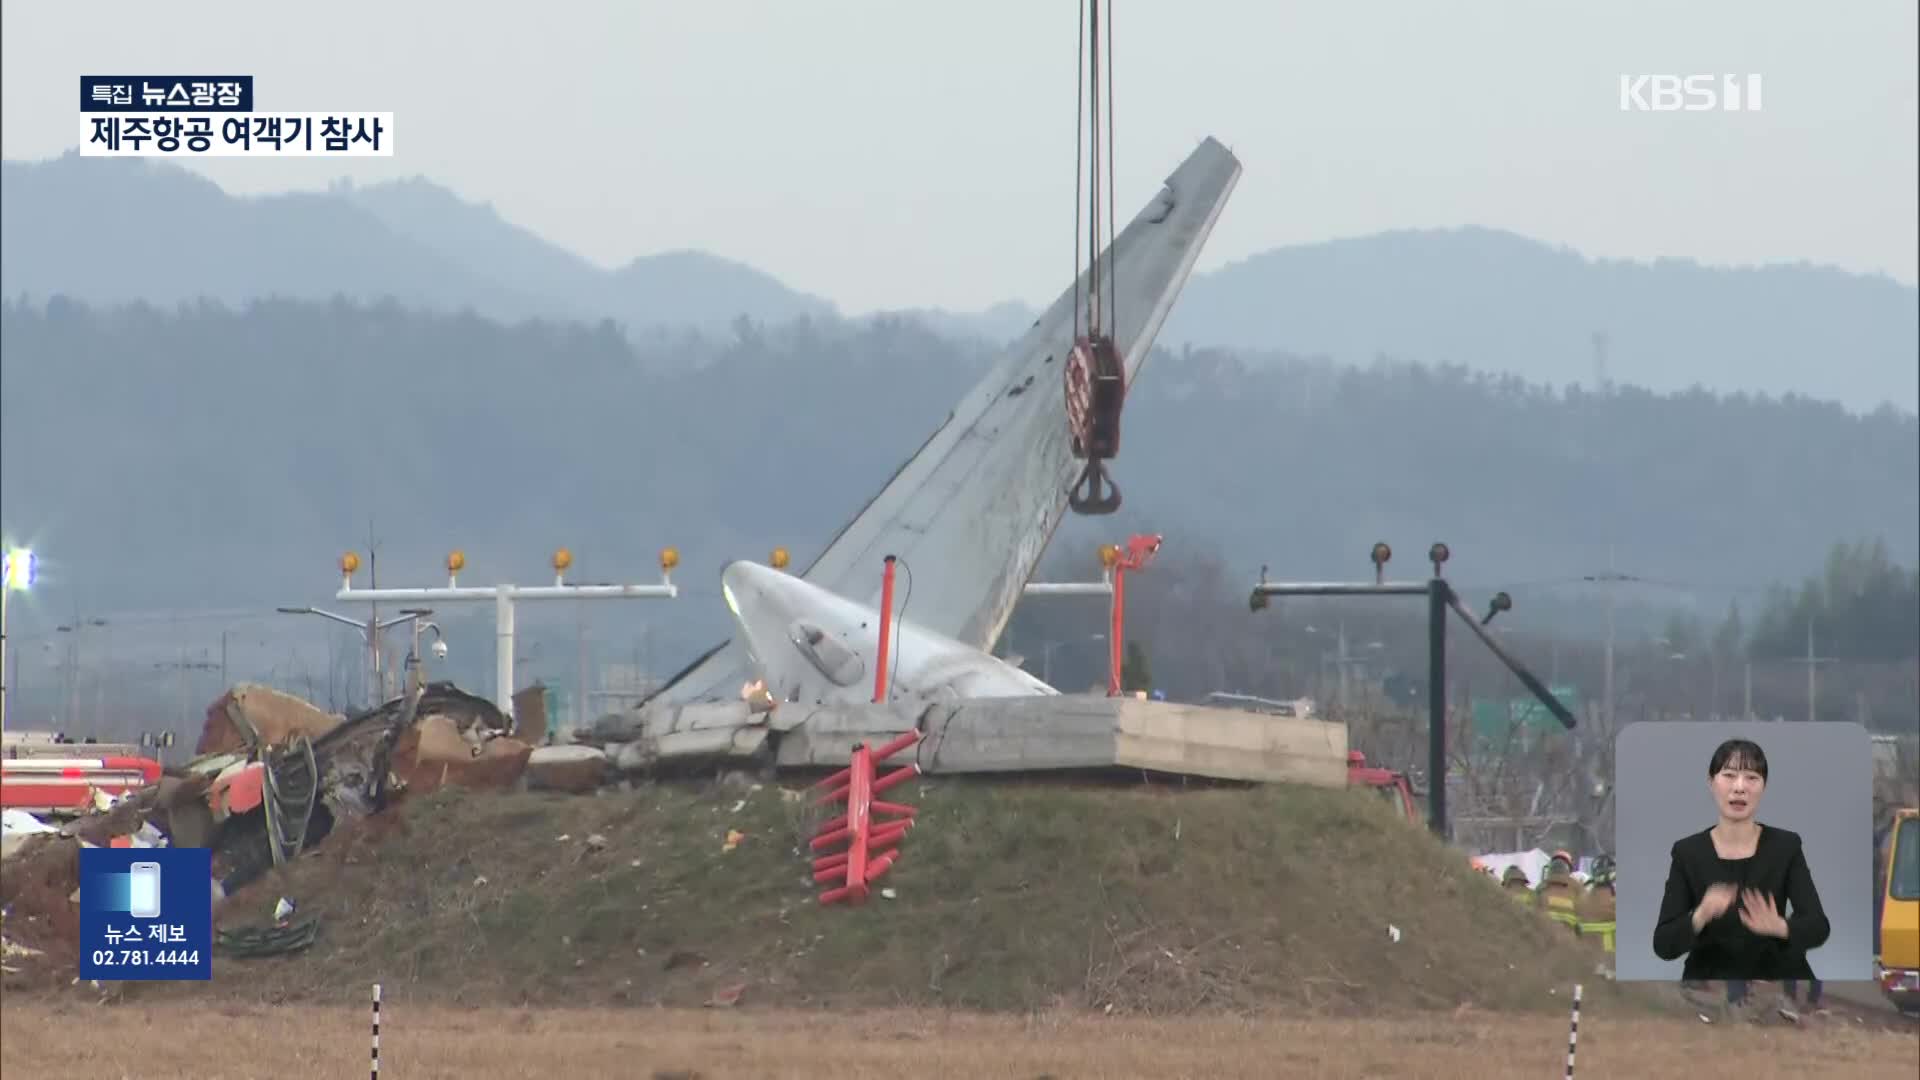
(1898, 965)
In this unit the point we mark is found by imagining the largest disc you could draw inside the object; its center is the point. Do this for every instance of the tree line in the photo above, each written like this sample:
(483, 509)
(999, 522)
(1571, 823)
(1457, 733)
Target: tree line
(212, 455)
(1863, 606)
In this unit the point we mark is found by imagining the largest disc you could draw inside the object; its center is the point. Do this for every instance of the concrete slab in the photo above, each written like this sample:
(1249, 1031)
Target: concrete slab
(1071, 731)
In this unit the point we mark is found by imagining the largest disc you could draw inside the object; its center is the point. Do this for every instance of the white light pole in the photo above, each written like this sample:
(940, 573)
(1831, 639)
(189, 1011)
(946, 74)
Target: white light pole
(16, 574)
(1103, 587)
(505, 596)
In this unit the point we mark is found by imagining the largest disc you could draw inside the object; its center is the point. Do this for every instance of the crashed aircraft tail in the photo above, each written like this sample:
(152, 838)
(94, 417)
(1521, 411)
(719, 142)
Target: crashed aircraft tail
(970, 513)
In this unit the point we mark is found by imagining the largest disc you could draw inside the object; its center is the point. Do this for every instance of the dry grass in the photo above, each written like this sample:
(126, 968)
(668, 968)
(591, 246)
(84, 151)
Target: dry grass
(211, 1041)
(1010, 896)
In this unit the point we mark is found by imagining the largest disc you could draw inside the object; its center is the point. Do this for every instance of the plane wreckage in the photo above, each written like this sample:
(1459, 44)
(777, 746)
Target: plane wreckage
(965, 521)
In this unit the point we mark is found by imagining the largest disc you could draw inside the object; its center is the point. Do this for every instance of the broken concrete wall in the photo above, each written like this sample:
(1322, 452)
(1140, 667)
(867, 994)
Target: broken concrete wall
(566, 768)
(434, 754)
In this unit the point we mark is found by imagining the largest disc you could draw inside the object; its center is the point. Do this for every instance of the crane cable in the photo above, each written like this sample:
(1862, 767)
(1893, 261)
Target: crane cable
(1093, 172)
(1088, 148)
(1079, 135)
(1113, 234)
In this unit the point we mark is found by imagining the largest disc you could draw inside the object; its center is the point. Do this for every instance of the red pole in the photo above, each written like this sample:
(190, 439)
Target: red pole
(886, 627)
(1117, 632)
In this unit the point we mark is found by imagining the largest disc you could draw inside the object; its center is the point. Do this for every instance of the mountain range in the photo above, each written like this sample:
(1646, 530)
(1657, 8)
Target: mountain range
(117, 230)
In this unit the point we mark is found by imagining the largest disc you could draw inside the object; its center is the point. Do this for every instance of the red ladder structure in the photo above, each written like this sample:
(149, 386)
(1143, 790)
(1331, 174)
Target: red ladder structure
(871, 847)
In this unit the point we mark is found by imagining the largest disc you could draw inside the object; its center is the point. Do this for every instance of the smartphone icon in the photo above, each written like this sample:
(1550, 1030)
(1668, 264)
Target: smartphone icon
(143, 893)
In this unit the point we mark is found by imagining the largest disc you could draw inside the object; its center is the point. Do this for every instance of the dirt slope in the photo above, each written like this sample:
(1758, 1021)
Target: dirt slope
(1009, 896)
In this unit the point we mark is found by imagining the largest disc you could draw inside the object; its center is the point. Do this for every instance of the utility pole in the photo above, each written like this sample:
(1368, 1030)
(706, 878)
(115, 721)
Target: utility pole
(71, 680)
(180, 668)
(1610, 578)
(1340, 659)
(1813, 662)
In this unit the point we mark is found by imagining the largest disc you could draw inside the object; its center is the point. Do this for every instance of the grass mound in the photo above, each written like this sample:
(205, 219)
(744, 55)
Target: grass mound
(1009, 896)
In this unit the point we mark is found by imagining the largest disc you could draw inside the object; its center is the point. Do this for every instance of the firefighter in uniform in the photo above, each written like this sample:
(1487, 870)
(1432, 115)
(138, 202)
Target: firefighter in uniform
(1595, 906)
(1514, 881)
(1557, 891)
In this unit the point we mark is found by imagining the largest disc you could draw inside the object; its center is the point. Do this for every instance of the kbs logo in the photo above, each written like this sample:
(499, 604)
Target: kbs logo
(1689, 93)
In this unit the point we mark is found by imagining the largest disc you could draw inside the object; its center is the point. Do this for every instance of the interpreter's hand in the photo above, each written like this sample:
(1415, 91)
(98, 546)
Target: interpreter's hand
(1758, 914)
(1718, 899)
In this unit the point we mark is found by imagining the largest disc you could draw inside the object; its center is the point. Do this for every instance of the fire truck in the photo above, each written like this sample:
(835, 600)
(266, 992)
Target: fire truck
(1390, 784)
(44, 776)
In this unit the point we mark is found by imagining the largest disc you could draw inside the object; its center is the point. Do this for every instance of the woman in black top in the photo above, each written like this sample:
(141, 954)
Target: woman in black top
(1723, 905)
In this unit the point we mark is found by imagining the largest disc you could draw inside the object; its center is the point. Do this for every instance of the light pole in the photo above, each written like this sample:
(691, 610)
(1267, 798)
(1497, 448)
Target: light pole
(16, 574)
(415, 680)
(369, 632)
(1115, 561)
(1440, 597)
(504, 597)
(1046, 654)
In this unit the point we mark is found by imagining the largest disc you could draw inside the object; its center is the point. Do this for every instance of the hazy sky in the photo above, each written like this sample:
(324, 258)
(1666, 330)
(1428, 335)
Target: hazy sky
(908, 154)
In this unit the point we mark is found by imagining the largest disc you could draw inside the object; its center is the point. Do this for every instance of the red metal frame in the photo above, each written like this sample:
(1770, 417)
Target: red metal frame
(1135, 555)
(872, 846)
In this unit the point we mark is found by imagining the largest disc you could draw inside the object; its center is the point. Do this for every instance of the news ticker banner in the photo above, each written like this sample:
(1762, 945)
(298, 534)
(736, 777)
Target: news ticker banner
(146, 913)
(214, 116)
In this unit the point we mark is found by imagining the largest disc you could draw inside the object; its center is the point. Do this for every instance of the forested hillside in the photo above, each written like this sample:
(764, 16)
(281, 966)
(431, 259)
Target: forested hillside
(211, 455)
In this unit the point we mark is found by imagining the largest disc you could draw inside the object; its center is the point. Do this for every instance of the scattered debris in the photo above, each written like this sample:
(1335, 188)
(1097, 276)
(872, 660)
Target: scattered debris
(10, 951)
(254, 942)
(574, 769)
(727, 996)
(310, 784)
(734, 836)
(16, 826)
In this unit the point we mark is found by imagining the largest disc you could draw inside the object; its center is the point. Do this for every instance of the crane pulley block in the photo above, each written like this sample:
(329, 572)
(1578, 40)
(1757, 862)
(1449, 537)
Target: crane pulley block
(1096, 385)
